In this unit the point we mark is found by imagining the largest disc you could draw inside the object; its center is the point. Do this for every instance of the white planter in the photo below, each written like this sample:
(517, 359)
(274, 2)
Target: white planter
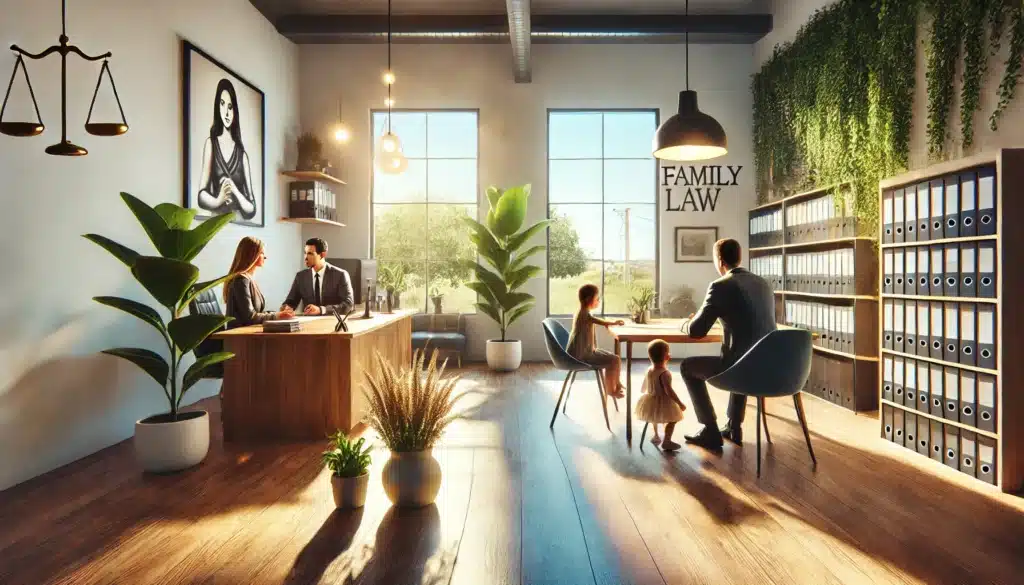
(349, 492)
(162, 446)
(412, 479)
(504, 356)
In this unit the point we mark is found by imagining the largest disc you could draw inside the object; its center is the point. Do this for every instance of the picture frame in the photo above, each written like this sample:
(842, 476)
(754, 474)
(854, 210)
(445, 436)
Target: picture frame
(695, 244)
(221, 110)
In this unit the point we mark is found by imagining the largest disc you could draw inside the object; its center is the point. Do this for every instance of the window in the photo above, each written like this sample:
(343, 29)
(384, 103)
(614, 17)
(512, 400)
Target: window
(603, 198)
(416, 215)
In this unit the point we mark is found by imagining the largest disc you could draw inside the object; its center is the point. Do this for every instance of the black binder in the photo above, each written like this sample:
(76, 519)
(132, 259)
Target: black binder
(910, 330)
(897, 380)
(951, 268)
(887, 422)
(899, 270)
(987, 269)
(986, 336)
(987, 459)
(910, 221)
(910, 384)
(898, 221)
(923, 435)
(987, 201)
(952, 208)
(887, 215)
(910, 430)
(937, 377)
(951, 439)
(968, 452)
(887, 326)
(968, 345)
(923, 215)
(897, 425)
(935, 266)
(968, 398)
(923, 329)
(935, 209)
(968, 270)
(936, 339)
(951, 332)
(887, 283)
(923, 271)
(924, 391)
(936, 441)
(951, 393)
(910, 271)
(887, 378)
(898, 323)
(968, 205)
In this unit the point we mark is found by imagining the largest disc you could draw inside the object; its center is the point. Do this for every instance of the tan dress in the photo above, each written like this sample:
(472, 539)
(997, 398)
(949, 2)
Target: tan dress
(583, 341)
(656, 405)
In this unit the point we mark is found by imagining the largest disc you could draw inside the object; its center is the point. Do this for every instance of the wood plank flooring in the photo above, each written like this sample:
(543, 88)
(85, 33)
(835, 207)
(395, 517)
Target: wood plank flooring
(522, 504)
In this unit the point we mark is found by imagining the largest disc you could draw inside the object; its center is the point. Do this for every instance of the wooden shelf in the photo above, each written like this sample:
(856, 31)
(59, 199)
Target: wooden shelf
(766, 248)
(313, 176)
(827, 296)
(941, 362)
(775, 203)
(954, 423)
(803, 194)
(947, 299)
(939, 241)
(852, 239)
(862, 358)
(312, 220)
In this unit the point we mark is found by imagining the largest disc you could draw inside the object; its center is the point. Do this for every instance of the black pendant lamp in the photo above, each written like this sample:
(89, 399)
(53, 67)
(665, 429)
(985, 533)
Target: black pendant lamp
(690, 134)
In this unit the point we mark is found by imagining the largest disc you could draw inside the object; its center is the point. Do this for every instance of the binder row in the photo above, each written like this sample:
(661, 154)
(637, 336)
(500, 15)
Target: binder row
(769, 268)
(766, 228)
(957, 333)
(942, 391)
(820, 219)
(831, 379)
(834, 325)
(312, 199)
(958, 448)
(948, 270)
(955, 206)
(831, 272)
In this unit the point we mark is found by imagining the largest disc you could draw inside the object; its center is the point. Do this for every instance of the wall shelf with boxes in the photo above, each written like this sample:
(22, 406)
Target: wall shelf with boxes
(823, 264)
(948, 261)
(312, 198)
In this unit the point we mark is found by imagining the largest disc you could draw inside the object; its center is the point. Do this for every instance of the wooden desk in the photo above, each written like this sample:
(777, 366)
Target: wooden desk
(669, 330)
(307, 384)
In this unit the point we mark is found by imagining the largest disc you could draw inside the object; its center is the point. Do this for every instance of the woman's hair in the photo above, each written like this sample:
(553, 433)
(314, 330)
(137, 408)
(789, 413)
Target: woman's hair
(657, 350)
(246, 253)
(218, 125)
(587, 293)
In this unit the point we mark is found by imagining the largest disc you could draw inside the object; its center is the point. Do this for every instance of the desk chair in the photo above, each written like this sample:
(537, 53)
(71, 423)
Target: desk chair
(556, 339)
(778, 365)
(207, 304)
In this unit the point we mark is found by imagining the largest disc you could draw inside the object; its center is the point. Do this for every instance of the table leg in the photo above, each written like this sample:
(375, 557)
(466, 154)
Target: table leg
(629, 392)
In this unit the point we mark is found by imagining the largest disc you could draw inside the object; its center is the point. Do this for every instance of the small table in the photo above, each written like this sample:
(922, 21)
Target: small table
(669, 330)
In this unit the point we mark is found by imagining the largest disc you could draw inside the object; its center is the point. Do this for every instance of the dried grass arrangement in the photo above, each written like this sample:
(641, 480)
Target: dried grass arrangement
(408, 410)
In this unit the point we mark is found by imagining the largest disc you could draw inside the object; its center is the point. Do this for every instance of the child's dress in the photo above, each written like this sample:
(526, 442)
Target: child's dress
(583, 341)
(656, 405)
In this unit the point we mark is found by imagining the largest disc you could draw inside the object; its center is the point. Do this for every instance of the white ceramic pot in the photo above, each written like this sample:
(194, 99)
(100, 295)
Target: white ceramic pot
(504, 356)
(412, 479)
(162, 445)
(349, 492)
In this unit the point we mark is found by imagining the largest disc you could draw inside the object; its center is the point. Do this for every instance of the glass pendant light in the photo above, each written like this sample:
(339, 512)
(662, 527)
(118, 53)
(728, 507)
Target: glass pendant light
(690, 134)
(341, 132)
(388, 152)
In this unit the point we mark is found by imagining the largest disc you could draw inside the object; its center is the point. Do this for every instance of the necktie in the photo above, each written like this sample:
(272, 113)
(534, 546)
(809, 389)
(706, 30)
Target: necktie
(316, 290)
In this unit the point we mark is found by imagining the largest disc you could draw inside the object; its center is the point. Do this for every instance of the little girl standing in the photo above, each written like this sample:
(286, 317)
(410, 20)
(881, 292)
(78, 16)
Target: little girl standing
(659, 403)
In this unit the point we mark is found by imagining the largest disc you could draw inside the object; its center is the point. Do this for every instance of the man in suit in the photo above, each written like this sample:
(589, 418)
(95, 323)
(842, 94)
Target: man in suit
(745, 304)
(321, 286)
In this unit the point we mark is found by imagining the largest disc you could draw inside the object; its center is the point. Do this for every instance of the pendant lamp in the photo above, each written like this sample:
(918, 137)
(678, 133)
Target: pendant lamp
(690, 134)
(388, 152)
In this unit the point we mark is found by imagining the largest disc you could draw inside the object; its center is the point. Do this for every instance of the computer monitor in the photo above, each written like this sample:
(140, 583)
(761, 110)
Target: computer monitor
(359, 269)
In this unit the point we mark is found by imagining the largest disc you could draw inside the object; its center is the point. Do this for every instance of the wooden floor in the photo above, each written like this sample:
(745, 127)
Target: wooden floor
(523, 504)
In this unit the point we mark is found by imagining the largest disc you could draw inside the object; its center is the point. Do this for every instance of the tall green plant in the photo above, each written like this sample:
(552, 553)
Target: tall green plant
(172, 280)
(500, 241)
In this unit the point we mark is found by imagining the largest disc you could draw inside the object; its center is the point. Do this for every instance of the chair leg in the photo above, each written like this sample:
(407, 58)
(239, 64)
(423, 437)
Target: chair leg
(568, 391)
(615, 401)
(460, 360)
(560, 394)
(759, 438)
(764, 417)
(642, 435)
(799, 403)
(604, 399)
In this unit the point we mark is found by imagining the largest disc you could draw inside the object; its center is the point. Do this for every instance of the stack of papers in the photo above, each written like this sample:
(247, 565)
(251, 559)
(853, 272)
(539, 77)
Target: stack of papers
(282, 326)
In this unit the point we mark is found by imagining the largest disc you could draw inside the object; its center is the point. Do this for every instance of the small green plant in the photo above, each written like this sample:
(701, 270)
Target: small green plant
(393, 277)
(642, 299)
(347, 458)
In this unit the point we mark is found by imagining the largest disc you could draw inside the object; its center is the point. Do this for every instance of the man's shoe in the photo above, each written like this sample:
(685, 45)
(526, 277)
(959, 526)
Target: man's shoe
(733, 433)
(708, 437)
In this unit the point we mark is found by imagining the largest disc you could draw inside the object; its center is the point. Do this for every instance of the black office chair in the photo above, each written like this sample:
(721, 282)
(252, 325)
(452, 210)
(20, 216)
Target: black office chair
(207, 304)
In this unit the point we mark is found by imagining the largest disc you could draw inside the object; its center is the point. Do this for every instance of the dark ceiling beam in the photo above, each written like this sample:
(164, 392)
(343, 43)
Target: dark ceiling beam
(519, 36)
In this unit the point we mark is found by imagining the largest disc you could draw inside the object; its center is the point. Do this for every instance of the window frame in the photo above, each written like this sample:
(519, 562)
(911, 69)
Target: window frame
(656, 202)
(426, 201)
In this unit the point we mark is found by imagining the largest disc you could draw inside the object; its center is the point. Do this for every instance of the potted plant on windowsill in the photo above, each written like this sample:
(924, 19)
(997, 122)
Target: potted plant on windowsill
(501, 241)
(410, 413)
(348, 462)
(173, 440)
(641, 303)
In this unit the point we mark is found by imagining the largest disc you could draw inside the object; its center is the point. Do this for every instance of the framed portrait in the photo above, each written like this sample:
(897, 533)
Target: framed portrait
(695, 244)
(223, 133)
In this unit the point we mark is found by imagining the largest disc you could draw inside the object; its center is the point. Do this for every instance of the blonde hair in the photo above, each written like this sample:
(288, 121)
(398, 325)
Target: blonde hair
(246, 254)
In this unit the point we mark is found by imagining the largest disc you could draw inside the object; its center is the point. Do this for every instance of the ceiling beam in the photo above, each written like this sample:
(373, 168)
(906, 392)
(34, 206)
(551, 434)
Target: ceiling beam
(519, 36)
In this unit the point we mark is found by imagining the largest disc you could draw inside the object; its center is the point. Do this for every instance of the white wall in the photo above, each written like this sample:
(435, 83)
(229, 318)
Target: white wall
(59, 399)
(513, 127)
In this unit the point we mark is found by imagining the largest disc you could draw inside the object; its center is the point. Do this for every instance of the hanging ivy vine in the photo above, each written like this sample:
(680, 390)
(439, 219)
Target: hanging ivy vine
(975, 61)
(1011, 74)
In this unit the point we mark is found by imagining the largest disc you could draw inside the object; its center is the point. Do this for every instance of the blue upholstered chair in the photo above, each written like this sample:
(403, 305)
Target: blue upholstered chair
(778, 365)
(556, 338)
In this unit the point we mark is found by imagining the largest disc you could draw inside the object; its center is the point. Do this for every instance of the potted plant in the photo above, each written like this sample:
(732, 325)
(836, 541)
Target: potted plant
(172, 440)
(348, 462)
(501, 241)
(641, 303)
(436, 292)
(410, 412)
(393, 279)
(310, 156)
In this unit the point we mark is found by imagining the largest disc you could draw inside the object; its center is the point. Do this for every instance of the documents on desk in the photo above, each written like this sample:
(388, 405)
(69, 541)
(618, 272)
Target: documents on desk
(282, 326)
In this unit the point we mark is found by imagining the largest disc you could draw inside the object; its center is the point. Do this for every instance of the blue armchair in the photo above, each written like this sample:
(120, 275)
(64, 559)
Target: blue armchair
(556, 338)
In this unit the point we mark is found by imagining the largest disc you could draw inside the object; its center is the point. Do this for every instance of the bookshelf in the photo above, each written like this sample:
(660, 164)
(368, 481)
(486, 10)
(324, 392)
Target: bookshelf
(823, 265)
(946, 390)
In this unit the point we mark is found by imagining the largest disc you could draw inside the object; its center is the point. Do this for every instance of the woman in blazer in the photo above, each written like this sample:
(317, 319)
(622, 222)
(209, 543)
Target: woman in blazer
(242, 295)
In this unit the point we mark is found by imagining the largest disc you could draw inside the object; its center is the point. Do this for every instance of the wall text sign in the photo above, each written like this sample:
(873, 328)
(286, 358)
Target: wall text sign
(690, 188)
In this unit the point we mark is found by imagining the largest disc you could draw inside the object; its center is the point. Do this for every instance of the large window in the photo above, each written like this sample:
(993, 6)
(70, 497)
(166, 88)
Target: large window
(416, 225)
(602, 196)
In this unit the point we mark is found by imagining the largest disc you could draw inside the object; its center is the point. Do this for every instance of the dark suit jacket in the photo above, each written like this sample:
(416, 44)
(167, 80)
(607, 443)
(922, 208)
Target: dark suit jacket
(246, 303)
(336, 290)
(746, 305)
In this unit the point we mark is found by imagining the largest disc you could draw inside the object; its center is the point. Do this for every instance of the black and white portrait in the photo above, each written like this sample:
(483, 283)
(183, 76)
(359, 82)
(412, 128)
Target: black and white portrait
(223, 138)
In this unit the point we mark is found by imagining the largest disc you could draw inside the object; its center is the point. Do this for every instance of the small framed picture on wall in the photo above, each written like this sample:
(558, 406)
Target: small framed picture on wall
(695, 244)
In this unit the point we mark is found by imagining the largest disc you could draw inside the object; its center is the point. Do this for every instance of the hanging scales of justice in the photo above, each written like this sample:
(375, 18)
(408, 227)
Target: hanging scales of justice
(24, 129)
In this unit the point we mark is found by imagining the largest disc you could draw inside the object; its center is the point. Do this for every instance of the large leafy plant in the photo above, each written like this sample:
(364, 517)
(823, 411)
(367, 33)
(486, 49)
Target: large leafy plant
(172, 280)
(500, 241)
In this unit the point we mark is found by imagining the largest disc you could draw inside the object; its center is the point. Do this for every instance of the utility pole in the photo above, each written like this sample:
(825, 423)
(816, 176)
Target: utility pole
(624, 214)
